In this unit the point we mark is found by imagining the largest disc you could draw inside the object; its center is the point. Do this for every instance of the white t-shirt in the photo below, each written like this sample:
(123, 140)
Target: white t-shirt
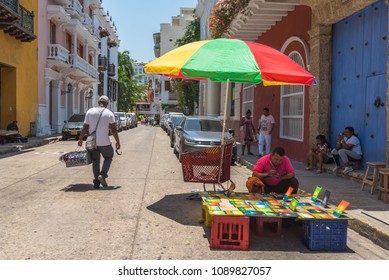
(102, 132)
(266, 124)
(353, 140)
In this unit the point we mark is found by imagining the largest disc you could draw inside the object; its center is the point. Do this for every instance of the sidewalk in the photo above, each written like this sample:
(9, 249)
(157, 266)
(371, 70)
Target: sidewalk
(371, 215)
(10, 148)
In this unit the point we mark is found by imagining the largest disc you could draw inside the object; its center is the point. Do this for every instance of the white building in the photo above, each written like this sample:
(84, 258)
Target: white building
(140, 75)
(165, 41)
(77, 60)
(209, 104)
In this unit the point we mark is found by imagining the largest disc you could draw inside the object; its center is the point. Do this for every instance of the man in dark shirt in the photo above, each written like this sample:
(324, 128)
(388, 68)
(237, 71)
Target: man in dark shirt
(13, 126)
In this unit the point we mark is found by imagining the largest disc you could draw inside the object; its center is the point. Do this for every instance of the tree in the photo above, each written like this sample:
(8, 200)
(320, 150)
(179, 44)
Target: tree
(188, 91)
(129, 89)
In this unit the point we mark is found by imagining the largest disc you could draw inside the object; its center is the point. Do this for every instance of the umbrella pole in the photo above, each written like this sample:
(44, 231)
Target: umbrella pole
(225, 110)
(224, 128)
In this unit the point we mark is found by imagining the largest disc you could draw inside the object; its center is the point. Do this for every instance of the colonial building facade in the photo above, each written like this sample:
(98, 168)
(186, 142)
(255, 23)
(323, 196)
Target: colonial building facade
(18, 64)
(343, 43)
(77, 60)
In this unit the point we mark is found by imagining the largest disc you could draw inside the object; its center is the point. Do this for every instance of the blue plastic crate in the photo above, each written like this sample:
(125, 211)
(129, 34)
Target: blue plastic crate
(325, 235)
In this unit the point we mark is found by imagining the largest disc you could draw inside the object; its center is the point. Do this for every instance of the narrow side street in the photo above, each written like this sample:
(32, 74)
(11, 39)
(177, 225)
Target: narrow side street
(49, 211)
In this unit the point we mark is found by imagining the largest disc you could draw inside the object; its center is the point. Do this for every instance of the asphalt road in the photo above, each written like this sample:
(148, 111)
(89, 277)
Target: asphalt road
(51, 212)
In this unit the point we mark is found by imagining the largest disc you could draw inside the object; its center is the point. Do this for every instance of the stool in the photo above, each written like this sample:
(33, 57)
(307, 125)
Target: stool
(383, 187)
(262, 222)
(374, 180)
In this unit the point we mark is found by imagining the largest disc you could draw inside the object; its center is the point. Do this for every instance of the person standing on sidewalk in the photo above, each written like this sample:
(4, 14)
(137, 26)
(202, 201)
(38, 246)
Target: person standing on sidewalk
(265, 129)
(101, 120)
(247, 132)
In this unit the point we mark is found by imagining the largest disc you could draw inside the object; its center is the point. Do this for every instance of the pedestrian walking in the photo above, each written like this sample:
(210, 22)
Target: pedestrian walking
(265, 129)
(101, 120)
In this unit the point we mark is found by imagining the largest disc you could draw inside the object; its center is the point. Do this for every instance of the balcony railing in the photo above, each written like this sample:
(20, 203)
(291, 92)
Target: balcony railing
(103, 63)
(8, 11)
(58, 52)
(88, 22)
(23, 28)
(79, 63)
(111, 70)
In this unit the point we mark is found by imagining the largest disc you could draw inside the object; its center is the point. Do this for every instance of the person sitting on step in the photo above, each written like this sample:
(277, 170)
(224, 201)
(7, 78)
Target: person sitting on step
(320, 153)
(347, 147)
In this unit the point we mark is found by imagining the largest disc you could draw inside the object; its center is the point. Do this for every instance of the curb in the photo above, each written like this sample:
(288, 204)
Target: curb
(36, 143)
(361, 226)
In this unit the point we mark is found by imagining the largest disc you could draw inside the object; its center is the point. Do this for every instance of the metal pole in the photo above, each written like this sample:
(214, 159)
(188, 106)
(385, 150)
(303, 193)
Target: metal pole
(225, 110)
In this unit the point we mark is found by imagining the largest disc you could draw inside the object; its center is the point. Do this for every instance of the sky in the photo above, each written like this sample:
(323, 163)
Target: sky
(137, 20)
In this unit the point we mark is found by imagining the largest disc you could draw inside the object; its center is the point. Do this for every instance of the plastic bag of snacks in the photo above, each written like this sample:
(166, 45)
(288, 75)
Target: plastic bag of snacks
(76, 158)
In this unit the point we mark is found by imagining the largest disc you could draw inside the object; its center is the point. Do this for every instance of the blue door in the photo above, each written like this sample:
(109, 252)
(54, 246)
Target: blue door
(359, 62)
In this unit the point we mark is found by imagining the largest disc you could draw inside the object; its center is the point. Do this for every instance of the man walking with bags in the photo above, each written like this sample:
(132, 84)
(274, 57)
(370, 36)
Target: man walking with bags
(100, 120)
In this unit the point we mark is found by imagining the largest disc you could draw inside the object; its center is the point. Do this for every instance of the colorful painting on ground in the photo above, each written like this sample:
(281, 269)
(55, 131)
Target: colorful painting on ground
(250, 204)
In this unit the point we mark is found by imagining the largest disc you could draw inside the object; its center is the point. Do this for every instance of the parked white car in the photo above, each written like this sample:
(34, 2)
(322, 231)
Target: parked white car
(122, 119)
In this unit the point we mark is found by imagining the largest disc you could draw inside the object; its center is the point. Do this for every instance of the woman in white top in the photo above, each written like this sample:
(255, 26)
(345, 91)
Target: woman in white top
(348, 146)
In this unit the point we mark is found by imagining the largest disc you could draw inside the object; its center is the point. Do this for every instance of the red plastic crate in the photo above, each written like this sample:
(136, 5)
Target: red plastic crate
(268, 226)
(230, 232)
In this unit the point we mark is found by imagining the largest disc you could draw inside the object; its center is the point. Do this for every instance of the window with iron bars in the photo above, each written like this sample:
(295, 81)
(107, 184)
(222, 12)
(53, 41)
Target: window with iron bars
(292, 107)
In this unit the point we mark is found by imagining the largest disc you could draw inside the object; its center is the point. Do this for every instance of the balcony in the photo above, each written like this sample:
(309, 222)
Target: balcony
(95, 4)
(8, 11)
(23, 28)
(157, 50)
(103, 63)
(58, 56)
(75, 9)
(111, 70)
(88, 22)
(78, 63)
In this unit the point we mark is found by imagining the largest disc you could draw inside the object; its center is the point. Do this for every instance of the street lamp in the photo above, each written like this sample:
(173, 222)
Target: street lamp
(68, 90)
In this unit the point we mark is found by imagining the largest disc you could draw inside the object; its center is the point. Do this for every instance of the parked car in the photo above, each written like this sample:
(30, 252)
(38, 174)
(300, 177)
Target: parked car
(168, 121)
(72, 128)
(163, 121)
(196, 133)
(130, 122)
(175, 121)
(134, 119)
(123, 120)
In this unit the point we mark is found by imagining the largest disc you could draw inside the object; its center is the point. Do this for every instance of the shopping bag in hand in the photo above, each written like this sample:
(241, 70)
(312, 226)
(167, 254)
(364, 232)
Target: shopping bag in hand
(76, 158)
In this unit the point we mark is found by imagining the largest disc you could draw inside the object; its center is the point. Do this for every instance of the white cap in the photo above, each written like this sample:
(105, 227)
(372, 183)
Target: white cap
(104, 98)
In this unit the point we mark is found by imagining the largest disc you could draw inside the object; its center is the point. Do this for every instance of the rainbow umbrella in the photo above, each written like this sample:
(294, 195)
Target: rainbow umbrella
(230, 60)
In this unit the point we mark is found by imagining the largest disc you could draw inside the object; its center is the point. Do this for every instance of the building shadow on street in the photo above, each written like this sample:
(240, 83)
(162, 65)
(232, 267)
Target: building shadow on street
(15, 152)
(179, 209)
(87, 187)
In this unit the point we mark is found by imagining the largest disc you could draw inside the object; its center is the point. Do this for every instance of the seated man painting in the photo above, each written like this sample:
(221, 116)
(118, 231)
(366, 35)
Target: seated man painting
(276, 172)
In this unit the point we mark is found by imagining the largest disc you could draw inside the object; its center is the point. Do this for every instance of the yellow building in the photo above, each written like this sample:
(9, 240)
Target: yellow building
(18, 63)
